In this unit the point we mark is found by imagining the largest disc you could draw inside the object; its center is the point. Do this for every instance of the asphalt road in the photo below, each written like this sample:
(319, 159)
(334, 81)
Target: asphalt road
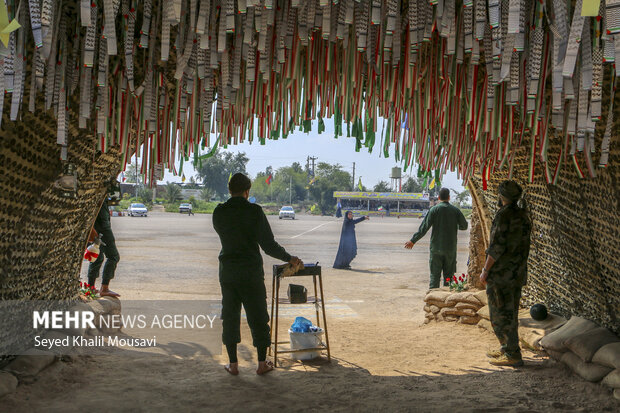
(174, 256)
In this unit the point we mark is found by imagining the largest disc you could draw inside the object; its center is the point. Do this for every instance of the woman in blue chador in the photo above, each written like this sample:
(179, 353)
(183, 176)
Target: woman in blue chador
(338, 210)
(347, 250)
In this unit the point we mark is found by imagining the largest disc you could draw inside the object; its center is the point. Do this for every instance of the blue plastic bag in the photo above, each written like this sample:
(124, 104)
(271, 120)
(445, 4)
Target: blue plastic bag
(301, 325)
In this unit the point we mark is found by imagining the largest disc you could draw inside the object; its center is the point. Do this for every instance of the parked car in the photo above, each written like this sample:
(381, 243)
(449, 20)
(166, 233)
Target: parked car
(287, 212)
(137, 210)
(185, 207)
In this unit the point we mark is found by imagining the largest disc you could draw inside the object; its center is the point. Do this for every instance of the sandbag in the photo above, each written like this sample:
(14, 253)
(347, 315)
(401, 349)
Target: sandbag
(450, 318)
(434, 309)
(556, 355)
(484, 312)
(551, 323)
(608, 355)
(427, 309)
(573, 327)
(612, 379)
(469, 319)
(531, 337)
(462, 297)
(482, 297)
(463, 306)
(437, 295)
(485, 324)
(588, 371)
(439, 304)
(585, 345)
(454, 311)
(617, 394)
(30, 363)
(8, 383)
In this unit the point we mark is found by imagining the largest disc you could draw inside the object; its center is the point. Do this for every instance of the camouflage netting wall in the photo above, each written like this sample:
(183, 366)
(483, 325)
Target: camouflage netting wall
(42, 235)
(574, 264)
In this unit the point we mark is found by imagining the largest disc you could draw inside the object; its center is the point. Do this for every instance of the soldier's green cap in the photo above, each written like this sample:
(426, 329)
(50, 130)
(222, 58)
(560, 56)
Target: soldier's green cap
(510, 190)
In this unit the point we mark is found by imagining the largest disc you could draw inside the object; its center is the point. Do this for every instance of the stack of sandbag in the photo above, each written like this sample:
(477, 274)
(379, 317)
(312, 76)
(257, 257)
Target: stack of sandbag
(591, 351)
(460, 307)
(530, 330)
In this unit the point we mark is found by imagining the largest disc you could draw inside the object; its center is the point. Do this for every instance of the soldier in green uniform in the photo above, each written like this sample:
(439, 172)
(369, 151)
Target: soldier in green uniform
(505, 272)
(242, 228)
(446, 220)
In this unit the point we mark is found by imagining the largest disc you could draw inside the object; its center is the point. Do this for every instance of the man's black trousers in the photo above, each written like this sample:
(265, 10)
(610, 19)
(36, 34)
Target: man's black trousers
(252, 294)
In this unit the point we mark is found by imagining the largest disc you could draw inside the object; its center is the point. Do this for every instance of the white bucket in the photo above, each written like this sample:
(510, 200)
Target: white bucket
(300, 341)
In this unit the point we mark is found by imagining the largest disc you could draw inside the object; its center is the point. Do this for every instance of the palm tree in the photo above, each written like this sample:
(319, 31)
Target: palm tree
(460, 197)
(173, 192)
(206, 194)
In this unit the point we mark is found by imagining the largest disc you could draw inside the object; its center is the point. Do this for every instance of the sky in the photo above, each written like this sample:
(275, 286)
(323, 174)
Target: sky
(298, 146)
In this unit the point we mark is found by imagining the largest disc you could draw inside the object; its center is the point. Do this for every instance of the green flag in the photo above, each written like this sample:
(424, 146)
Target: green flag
(229, 177)
(359, 184)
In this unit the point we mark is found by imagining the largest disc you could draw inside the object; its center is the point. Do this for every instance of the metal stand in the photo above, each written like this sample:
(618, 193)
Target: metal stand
(310, 270)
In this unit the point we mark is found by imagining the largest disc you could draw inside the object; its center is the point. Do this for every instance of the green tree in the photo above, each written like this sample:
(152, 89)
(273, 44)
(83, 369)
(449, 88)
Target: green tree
(173, 192)
(214, 171)
(131, 177)
(206, 194)
(260, 189)
(413, 185)
(192, 184)
(284, 179)
(329, 178)
(460, 198)
(145, 195)
(382, 186)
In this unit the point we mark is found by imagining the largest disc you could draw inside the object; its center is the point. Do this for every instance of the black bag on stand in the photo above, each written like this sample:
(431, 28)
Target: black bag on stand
(297, 294)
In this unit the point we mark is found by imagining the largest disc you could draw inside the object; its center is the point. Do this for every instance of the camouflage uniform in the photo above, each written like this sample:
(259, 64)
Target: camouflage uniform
(104, 227)
(509, 246)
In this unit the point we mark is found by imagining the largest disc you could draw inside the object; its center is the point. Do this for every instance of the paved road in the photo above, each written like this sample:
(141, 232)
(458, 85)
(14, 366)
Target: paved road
(174, 256)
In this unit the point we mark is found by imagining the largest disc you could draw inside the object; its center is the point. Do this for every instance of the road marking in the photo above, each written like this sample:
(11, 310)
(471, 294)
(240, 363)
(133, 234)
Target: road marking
(310, 230)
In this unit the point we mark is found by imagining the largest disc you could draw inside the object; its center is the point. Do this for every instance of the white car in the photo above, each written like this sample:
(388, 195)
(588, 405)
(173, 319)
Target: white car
(138, 210)
(287, 212)
(185, 207)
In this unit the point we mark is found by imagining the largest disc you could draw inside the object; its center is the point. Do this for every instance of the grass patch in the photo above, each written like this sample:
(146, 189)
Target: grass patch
(198, 206)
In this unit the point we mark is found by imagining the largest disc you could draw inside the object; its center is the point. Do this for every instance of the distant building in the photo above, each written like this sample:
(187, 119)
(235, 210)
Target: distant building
(380, 203)
(160, 190)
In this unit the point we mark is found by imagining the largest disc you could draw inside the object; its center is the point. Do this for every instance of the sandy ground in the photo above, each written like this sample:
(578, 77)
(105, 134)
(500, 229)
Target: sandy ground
(383, 357)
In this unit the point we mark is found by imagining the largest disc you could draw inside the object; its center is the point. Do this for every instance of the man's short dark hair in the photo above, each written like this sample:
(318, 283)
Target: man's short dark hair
(444, 194)
(239, 183)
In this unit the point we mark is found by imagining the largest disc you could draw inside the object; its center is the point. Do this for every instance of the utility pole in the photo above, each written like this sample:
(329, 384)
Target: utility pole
(137, 173)
(312, 158)
(290, 189)
(353, 182)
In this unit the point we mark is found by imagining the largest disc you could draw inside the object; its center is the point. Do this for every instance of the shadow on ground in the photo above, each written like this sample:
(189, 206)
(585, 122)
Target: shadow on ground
(139, 382)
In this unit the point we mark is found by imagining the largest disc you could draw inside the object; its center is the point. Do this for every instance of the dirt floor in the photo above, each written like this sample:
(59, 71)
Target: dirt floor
(384, 358)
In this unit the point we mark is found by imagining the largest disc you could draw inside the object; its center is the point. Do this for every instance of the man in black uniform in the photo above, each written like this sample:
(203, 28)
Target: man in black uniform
(108, 249)
(242, 228)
